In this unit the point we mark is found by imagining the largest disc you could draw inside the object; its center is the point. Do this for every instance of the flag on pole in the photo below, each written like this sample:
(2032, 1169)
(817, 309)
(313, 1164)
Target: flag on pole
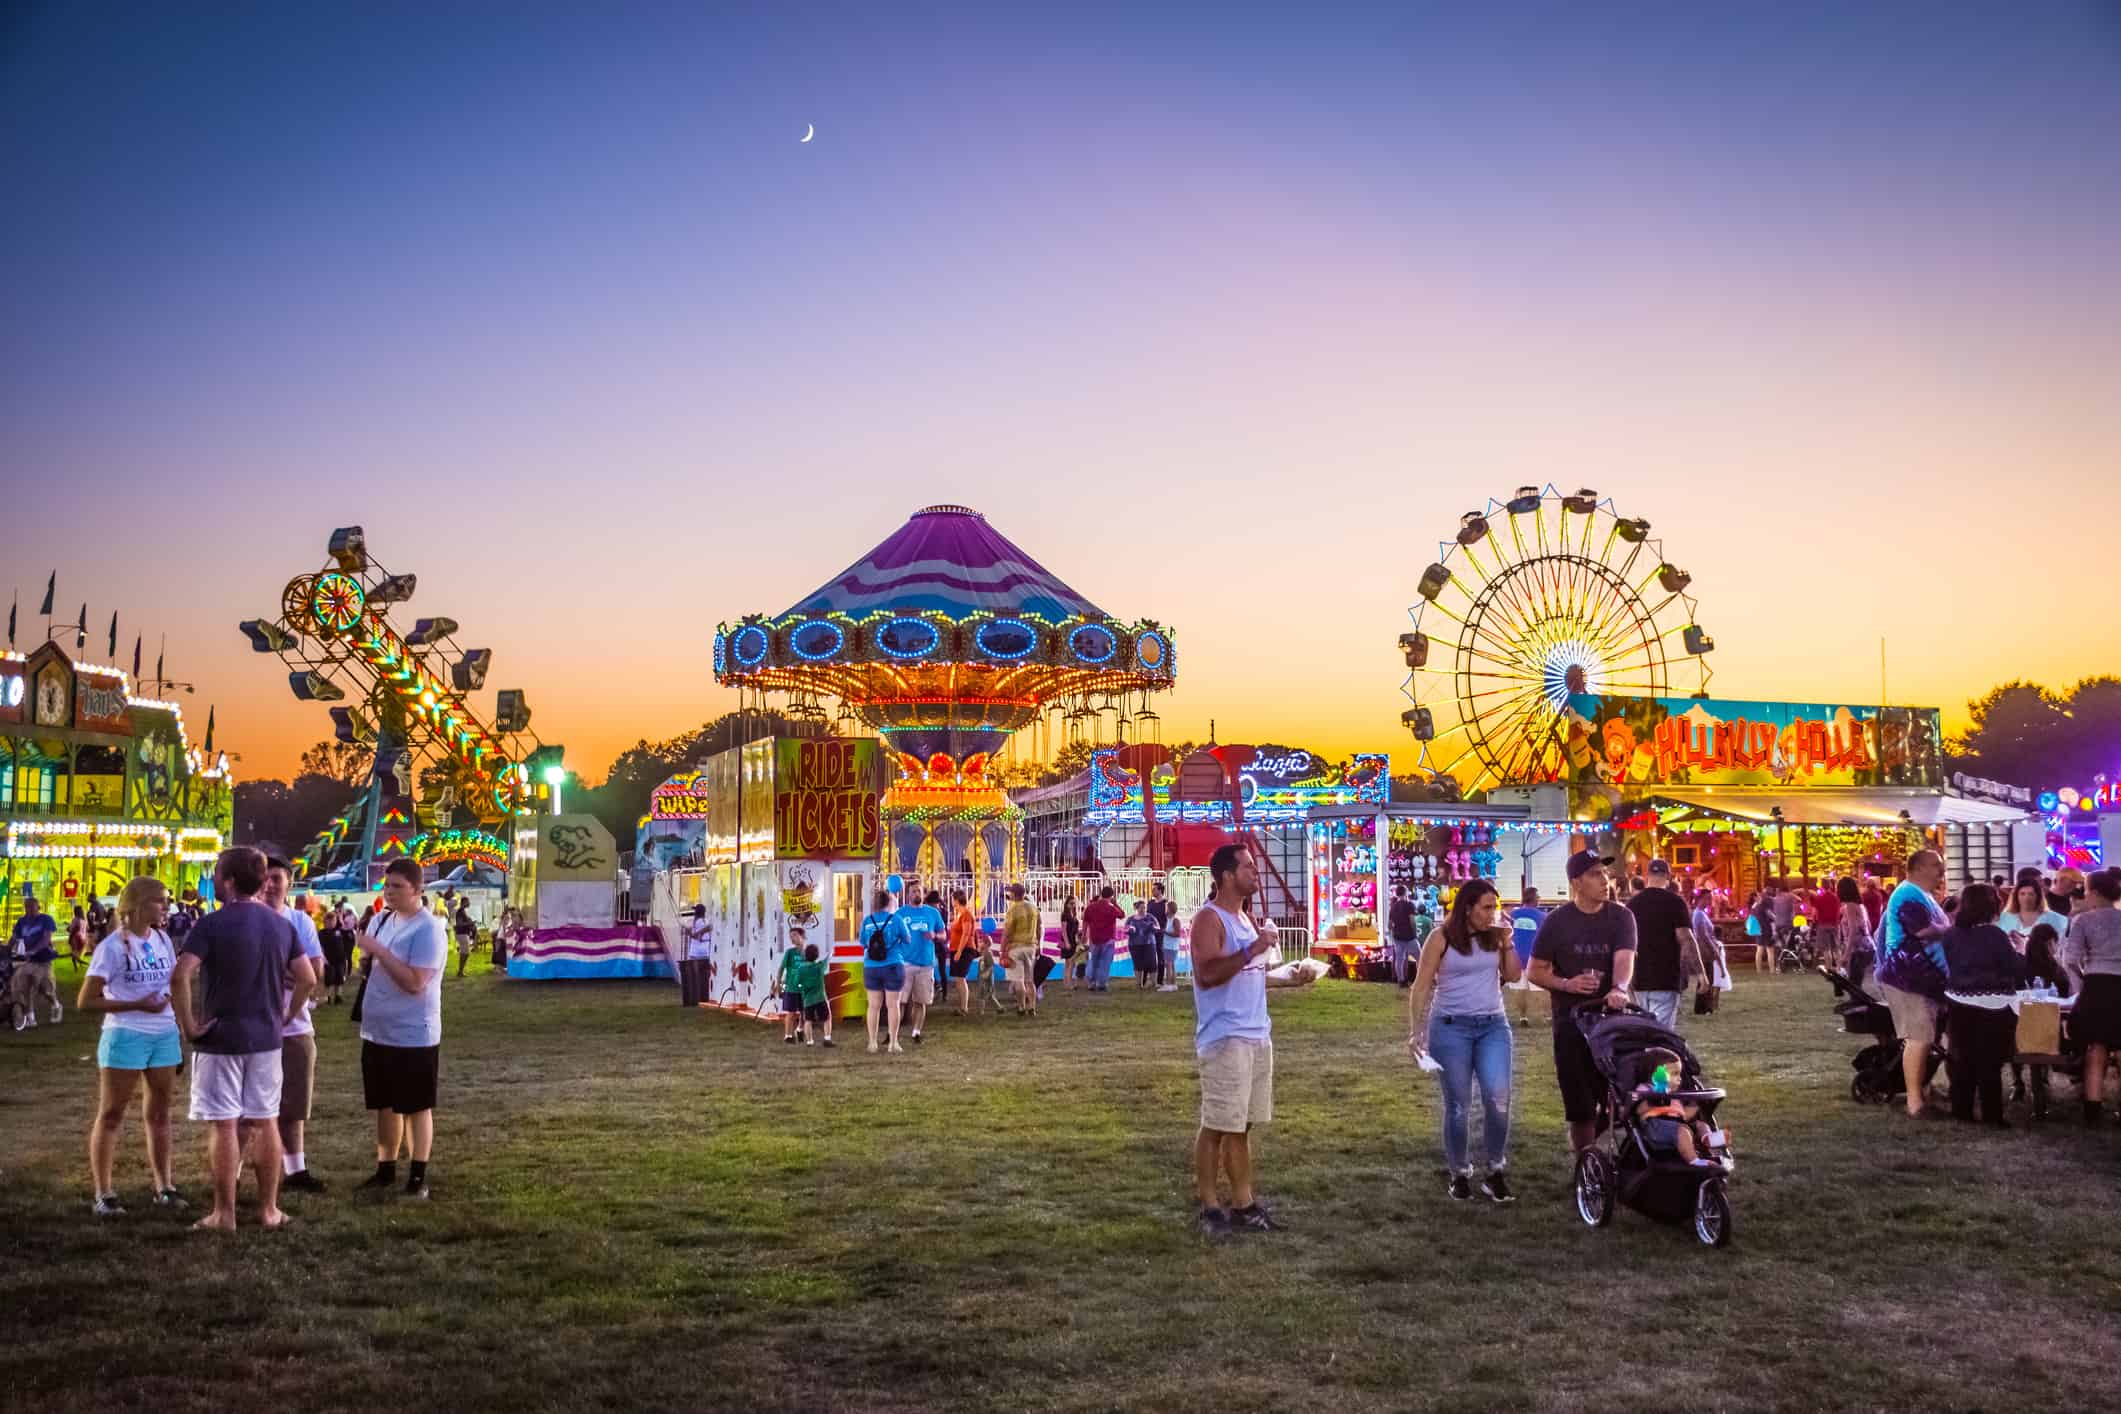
(209, 731)
(112, 651)
(80, 628)
(11, 608)
(159, 675)
(136, 659)
(49, 585)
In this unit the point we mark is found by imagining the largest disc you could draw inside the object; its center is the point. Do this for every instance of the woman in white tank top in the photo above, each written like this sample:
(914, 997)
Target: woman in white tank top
(1464, 1036)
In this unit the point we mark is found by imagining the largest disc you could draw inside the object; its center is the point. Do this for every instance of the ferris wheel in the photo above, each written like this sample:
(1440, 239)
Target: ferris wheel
(1536, 607)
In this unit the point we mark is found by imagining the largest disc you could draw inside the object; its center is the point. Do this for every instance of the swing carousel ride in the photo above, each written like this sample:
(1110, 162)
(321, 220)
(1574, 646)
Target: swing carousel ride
(945, 641)
(442, 782)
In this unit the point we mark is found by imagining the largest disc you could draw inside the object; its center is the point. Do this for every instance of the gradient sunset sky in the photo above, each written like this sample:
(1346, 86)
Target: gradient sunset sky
(1224, 313)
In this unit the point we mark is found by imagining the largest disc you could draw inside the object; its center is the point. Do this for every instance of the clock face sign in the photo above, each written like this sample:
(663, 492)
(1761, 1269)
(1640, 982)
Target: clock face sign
(53, 698)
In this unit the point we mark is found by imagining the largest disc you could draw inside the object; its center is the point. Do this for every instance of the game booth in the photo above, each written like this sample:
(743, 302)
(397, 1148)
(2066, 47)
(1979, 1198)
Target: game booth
(563, 880)
(790, 832)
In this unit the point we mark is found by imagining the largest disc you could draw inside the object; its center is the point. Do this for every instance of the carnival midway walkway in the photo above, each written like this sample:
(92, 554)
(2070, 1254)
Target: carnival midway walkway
(641, 1208)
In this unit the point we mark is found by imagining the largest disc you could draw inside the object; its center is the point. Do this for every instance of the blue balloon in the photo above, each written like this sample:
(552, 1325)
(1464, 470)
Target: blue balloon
(989, 926)
(896, 883)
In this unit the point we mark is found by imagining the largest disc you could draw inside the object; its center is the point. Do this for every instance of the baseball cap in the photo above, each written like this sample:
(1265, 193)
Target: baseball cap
(1660, 869)
(1583, 861)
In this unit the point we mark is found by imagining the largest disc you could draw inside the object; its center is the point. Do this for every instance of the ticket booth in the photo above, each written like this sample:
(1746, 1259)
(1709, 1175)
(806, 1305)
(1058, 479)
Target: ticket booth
(794, 832)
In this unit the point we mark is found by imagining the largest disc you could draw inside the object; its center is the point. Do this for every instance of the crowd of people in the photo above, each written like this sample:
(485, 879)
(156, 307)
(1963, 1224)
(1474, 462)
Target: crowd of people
(1944, 961)
(237, 985)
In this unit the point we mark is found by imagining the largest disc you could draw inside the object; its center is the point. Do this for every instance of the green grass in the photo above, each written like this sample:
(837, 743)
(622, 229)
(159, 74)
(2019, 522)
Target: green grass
(639, 1208)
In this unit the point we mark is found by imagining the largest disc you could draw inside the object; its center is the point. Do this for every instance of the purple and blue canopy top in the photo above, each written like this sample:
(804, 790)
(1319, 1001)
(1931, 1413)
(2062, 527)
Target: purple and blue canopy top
(947, 560)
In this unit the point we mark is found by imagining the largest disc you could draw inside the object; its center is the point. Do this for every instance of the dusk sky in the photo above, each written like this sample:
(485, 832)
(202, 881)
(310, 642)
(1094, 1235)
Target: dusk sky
(1224, 313)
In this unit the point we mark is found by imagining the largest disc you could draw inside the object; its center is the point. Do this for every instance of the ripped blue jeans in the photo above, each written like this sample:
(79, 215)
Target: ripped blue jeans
(1470, 1048)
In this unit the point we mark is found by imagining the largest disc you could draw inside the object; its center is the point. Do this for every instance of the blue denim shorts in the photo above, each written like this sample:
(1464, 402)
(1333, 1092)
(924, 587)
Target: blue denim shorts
(123, 1048)
(884, 976)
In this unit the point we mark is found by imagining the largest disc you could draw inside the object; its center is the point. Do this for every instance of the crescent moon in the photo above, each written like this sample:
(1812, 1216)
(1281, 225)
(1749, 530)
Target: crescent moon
(809, 132)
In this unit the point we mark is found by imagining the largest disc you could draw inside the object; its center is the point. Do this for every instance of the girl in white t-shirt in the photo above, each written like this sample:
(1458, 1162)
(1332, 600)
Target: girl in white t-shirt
(128, 981)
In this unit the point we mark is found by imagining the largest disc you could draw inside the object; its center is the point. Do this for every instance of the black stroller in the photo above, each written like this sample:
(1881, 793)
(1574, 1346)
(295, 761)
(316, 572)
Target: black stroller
(1879, 1076)
(1649, 1177)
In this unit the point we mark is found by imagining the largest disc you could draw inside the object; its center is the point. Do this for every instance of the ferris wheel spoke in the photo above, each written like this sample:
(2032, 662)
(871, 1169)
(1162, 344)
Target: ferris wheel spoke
(1475, 561)
(1526, 741)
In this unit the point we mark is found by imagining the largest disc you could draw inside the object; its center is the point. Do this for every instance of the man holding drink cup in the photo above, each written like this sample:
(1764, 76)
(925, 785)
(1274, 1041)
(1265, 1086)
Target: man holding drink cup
(1585, 956)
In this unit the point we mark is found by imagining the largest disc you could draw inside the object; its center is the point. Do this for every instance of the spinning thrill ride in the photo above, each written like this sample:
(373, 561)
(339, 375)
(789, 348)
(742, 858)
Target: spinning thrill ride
(441, 777)
(945, 640)
(1538, 604)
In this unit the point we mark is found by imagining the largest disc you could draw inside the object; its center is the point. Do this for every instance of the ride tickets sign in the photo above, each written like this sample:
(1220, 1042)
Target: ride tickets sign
(825, 799)
(1704, 741)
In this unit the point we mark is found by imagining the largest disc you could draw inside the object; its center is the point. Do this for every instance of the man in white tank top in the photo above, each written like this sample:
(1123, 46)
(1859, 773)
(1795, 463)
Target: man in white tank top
(1234, 1040)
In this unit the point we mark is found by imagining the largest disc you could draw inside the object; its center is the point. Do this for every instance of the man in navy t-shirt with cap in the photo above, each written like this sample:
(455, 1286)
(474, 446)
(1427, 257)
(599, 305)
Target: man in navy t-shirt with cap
(1585, 956)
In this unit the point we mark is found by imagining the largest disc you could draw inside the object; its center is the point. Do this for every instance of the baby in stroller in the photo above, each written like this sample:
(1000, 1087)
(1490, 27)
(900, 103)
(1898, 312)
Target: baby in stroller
(1669, 1158)
(1671, 1123)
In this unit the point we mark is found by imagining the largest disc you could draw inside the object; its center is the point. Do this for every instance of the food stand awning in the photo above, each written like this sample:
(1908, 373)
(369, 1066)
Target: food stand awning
(1843, 807)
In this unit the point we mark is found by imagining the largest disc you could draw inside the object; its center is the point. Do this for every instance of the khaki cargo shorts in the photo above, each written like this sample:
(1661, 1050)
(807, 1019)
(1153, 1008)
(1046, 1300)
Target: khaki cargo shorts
(920, 985)
(1236, 1085)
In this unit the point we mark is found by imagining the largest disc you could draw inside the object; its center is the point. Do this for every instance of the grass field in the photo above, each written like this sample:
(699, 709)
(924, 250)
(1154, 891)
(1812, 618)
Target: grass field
(637, 1208)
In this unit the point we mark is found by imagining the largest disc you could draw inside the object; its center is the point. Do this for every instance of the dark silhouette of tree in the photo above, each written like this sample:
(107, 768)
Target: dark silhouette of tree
(343, 761)
(2027, 735)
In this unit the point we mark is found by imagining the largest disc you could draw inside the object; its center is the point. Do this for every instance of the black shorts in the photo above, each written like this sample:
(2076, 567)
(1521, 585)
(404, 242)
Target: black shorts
(961, 965)
(791, 1003)
(821, 1012)
(400, 1078)
(1581, 1086)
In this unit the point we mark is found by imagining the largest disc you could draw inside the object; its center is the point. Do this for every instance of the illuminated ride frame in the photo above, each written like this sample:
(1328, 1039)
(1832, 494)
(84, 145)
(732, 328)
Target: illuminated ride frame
(945, 640)
(444, 785)
(1567, 674)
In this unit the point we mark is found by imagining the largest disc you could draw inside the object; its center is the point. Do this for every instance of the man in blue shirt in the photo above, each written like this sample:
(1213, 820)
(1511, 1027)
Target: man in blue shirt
(1524, 927)
(31, 943)
(920, 928)
(1911, 969)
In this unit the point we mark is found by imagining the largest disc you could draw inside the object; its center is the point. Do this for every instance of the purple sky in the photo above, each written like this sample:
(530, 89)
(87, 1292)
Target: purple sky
(1223, 314)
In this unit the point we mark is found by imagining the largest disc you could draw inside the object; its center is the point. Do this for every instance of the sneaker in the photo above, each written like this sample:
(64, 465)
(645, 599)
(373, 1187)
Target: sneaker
(24, 1021)
(916, 1038)
(872, 1048)
(381, 1178)
(1213, 1222)
(57, 1012)
(303, 1181)
(1461, 1187)
(171, 1198)
(809, 1041)
(791, 1038)
(1496, 1189)
(1168, 987)
(1253, 1219)
(107, 1206)
(416, 1189)
(897, 1049)
(826, 1042)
